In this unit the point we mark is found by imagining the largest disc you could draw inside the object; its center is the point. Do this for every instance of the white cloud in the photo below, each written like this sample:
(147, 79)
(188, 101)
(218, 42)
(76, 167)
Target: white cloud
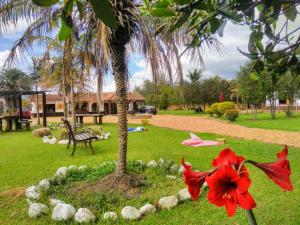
(3, 57)
(15, 30)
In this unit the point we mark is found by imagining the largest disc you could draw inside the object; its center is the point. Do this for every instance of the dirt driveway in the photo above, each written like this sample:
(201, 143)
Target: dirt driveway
(207, 125)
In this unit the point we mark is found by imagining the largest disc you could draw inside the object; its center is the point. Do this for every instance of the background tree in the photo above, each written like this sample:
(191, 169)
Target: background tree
(250, 87)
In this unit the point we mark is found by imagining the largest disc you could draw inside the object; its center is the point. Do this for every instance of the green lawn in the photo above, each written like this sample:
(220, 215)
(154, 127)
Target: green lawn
(25, 160)
(282, 122)
(179, 112)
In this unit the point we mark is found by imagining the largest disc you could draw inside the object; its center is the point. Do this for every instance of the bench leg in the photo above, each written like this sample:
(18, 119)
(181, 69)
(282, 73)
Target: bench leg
(91, 147)
(74, 149)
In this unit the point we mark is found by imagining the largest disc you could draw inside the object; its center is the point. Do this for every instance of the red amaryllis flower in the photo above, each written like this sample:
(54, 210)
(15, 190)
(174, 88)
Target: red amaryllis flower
(227, 157)
(194, 180)
(227, 188)
(278, 171)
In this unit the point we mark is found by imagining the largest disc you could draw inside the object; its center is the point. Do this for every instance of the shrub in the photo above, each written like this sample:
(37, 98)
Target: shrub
(208, 110)
(145, 122)
(215, 109)
(95, 130)
(232, 114)
(63, 134)
(224, 106)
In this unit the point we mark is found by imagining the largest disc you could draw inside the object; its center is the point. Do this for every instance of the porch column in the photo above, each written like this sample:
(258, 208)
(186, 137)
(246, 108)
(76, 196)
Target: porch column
(109, 108)
(20, 106)
(44, 110)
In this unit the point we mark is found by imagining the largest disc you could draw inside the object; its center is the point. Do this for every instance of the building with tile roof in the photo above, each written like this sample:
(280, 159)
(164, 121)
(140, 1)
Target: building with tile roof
(86, 103)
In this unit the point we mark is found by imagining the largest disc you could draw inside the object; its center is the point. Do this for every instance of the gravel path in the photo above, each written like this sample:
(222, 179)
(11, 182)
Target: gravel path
(208, 125)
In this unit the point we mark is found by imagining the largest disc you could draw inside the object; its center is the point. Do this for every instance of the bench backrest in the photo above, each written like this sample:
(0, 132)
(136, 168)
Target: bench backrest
(69, 129)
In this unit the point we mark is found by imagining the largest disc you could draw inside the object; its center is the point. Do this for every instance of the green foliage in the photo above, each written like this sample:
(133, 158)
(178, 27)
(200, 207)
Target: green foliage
(95, 130)
(145, 122)
(209, 111)
(224, 106)
(232, 114)
(104, 12)
(214, 109)
(45, 3)
(63, 134)
(15, 80)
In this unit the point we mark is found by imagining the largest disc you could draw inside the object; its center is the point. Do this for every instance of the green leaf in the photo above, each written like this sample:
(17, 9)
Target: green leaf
(231, 15)
(214, 25)
(161, 12)
(104, 12)
(45, 3)
(182, 2)
(65, 31)
(253, 76)
(297, 51)
(291, 12)
(162, 4)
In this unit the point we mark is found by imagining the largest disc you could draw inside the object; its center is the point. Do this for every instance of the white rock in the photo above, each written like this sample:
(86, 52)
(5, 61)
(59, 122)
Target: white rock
(147, 209)
(174, 168)
(53, 202)
(83, 167)
(110, 216)
(130, 213)
(62, 172)
(152, 164)
(171, 177)
(161, 162)
(168, 202)
(32, 192)
(37, 209)
(44, 185)
(184, 194)
(84, 215)
(72, 167)
(63, 142)
(140, 162)
(52, 141)
(46, 140)
(63, 211)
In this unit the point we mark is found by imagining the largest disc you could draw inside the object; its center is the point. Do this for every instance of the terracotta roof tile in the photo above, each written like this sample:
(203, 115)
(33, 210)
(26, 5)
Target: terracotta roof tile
(91, 97)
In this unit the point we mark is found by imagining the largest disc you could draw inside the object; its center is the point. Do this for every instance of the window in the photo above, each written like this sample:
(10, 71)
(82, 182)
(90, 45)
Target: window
(50, 107)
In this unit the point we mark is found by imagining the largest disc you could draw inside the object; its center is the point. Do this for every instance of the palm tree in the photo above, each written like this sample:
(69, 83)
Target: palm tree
(35, 76)
(132, 31)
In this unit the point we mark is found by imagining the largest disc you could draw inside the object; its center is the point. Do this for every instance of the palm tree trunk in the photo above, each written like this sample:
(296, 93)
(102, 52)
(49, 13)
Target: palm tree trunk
(38, 120)
(73, 105)
(64, 97)
(180, 72)
(100, 91)
(120, 75)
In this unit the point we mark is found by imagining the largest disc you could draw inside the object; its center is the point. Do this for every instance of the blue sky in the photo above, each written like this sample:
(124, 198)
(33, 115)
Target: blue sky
(225, 65)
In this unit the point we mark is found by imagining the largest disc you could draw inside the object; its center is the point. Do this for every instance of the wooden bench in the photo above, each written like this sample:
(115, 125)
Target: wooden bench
(77, 138)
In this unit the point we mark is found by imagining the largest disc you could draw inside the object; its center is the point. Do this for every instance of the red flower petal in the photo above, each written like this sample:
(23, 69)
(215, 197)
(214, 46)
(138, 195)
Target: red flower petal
(246, 201)
(194, 180)
(278, 171)
(227, 188)
(230, 206)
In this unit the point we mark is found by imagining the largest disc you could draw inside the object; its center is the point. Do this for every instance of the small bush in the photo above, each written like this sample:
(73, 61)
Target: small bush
(95, 130)
(63, 134)
(215, 109)
(224, 106)
(208, 110)
(145, 122)
(232, 114)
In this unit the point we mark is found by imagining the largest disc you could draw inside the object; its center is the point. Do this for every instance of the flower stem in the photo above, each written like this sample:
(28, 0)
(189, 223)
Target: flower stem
(251, 217)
